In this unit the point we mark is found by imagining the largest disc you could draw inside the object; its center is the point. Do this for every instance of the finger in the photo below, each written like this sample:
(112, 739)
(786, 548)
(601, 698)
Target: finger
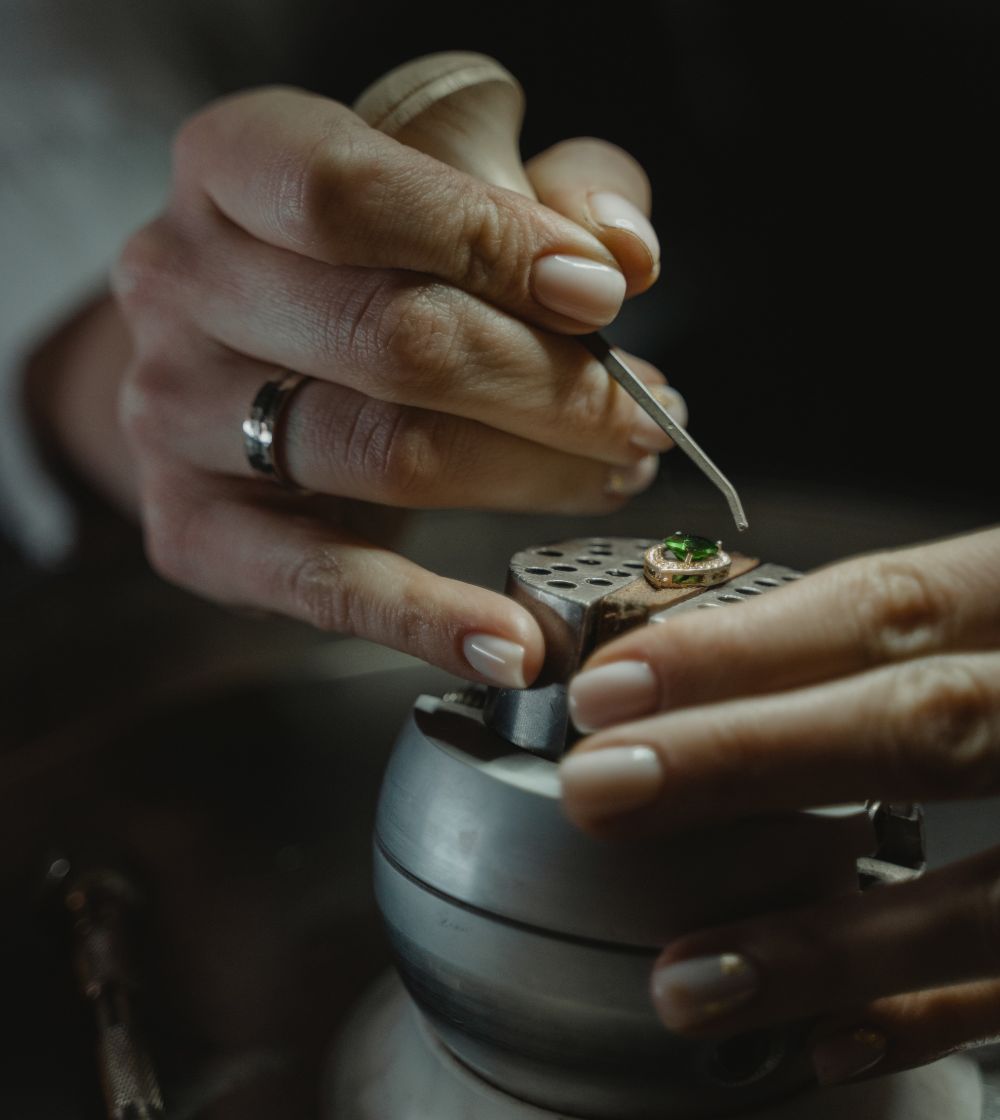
(939, 930)
(604, 189)
(869, 611)
(224, 540)
(338, 441)
(902, 1032)
(927, 729)
(391, 335)
(306, 174)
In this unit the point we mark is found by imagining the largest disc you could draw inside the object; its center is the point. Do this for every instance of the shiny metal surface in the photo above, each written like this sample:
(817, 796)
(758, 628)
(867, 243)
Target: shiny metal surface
(567, 1024)
(620, 371)
(473, 818)
(528, 945)
(563, 585)
(390, 1065)
(583, 591)
(764, 578)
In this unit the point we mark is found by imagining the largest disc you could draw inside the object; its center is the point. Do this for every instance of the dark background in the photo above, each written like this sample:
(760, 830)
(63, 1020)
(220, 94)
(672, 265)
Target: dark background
(825, 191)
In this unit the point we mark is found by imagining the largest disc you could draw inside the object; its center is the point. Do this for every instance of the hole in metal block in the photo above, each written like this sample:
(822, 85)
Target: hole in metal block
(746, 1058)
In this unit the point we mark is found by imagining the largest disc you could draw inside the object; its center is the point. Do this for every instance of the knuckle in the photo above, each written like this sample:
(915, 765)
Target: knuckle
(418, 452)
(942, 726)
(900, 610)
(418, 340)
(324, 592)
(352, 303)
(148, 266)
(400, 450)
(313, 197)
(147, 398)
(319, 593)
(492, 247)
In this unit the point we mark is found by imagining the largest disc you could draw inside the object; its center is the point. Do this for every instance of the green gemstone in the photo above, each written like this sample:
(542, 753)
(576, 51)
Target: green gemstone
(689, 549)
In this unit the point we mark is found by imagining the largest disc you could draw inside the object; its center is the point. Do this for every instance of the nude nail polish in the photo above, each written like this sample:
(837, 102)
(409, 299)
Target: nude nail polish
(611, 780)
(582, 289)
(612, 693)
(689, 992)
(499, 660)
(615, 212)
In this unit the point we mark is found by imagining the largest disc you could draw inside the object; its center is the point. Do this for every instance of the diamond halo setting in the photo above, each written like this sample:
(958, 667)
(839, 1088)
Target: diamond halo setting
(686, 560)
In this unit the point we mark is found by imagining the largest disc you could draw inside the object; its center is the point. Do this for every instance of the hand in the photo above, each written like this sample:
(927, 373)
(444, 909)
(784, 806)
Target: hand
(874, 678)
(430, 312)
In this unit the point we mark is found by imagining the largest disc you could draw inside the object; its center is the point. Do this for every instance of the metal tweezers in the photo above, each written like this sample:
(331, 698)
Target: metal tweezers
(601, 349)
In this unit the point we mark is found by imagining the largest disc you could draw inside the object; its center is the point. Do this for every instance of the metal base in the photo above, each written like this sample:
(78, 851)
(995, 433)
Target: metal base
(389, 1066)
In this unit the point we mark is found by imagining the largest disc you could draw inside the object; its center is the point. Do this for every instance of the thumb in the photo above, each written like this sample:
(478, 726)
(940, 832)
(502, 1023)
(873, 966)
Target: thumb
(602, 188)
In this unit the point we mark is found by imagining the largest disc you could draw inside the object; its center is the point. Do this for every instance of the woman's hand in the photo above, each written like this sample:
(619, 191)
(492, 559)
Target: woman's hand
(431, 315)
(874, 678)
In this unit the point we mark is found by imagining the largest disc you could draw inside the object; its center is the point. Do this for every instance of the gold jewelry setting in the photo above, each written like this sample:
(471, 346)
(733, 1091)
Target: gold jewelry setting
(685, 560)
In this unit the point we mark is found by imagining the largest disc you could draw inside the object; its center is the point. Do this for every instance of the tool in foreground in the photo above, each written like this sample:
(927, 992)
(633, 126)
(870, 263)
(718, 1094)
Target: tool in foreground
(466, 110)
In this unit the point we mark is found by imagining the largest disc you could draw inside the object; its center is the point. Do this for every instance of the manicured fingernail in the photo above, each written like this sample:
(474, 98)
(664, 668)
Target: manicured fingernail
(626, 481)
(612, 693)
(611, 780)
(647, 434)
(690, 992)
(614, 212)
(499, 660)
(845, 1056)
(582, 289)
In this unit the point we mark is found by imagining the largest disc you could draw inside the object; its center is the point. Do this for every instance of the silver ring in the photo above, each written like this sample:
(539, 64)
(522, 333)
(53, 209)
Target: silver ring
(261, 424)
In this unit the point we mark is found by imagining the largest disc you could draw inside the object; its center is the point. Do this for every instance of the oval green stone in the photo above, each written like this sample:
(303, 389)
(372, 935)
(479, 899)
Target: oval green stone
(690, 549)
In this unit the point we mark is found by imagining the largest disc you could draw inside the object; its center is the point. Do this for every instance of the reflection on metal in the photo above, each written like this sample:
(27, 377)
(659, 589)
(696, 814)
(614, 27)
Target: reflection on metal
(626, 378)
(99, 903)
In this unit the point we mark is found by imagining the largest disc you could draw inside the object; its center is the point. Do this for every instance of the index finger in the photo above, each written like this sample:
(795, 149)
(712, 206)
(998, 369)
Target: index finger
(305, 173)
(870, 611)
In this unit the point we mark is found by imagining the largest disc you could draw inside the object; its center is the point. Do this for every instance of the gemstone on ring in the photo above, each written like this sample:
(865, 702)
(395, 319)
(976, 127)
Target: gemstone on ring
(686, 560)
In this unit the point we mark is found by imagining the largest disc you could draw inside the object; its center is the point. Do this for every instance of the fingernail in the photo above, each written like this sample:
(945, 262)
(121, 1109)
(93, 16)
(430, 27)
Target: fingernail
(694, 991)
(499, 660)
(582, 289)
(847, 1055)
(647, 434)
(614, 212)
(612, 693)
(611, 780)
(626, 481)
